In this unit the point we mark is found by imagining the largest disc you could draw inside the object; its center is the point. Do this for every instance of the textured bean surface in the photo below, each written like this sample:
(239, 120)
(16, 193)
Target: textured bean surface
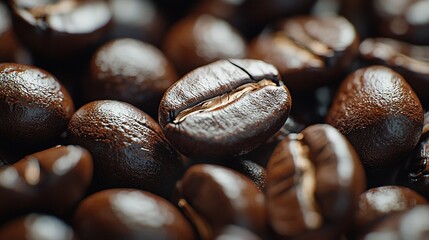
(224, 108)
(379, 113)
(34, 105)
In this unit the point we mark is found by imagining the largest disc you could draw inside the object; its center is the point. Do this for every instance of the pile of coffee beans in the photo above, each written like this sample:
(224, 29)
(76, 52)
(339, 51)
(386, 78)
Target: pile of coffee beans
(214, 119)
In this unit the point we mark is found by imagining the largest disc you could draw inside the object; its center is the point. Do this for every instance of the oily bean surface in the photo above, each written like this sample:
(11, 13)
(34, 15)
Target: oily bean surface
(379, 113)
(314, 179)
(127, 145)
(225, 108)
(35, 107)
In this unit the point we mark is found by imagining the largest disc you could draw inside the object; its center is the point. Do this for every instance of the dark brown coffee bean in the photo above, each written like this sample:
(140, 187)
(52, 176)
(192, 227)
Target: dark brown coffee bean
(127, 145)
(130, 214)
(380, 115)
(60, 28)
(313, 183)
(405, 20)
(201, 40)
(53, 181)
(411, 61)
(225, 108)
(131, 71)
(37, 227)
(377, 203)
(34, 105)
(219, 197)
(308, 51)
(406, 225)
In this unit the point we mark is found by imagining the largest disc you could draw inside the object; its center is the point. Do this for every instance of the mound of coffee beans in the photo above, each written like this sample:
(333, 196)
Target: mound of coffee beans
(214, 119)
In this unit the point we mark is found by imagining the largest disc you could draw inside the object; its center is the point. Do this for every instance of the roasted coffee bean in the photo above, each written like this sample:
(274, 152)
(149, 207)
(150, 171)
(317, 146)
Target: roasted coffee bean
(131, 71)
(37, 227)
(60, 28)
(404, 20)
(201, 40)
(34, 105)
(52, 181)
(127, 145)
(129, 214)
(380, 115)
(225, 108)
(411, 61)
(377, 203)
(214, 197)
(137, 19)
(308, 51)
(314, 179)
(406, 225)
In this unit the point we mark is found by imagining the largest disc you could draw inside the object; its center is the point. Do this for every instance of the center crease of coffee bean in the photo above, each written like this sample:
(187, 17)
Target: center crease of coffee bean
(223, 100)
(306, 178)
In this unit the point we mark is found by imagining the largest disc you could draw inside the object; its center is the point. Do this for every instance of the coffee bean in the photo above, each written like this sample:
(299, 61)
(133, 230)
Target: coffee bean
(58, 29)
(314, 179)
(408, 60)
(214, 197)
(52, 181)
(129, 214)
(379, 113)
(377, 203)
(410, 224)
(37, 226)
(131, 71)
(127, 145)
(308, 51)
(201, 40)
(34, 105)
(225, 108)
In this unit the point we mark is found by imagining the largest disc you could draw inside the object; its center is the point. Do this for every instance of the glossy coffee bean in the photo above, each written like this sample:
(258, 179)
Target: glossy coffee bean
(37, 227)
(406, 225)
(129, 214)
(314, 179)
(127, 145)
(131, 71)
(201, 40)
(308, 51)
(34, 105)
(225, 108)
(214, 197)
(52, 181)
(380, 115)
(377, 203)
(404, 20)
(411, 61)
(60, 28)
